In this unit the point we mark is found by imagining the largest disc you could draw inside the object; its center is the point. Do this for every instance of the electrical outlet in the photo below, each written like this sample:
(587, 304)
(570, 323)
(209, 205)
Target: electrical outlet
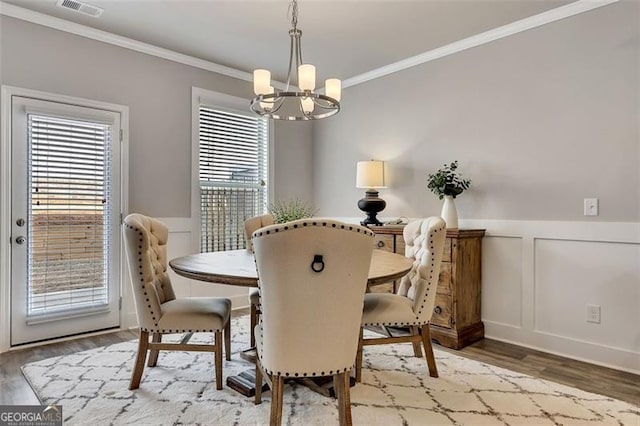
(591, 207)
(593, 313)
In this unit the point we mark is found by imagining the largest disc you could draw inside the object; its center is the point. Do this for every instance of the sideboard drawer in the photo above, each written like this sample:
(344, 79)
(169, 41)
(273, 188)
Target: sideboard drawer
(383, 242)
(442, 311)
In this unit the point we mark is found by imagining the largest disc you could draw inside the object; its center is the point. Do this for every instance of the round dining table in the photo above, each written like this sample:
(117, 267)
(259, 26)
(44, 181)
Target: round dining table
(237, 267)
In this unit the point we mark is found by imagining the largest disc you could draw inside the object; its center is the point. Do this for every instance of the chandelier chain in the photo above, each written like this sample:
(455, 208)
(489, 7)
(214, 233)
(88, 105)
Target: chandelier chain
(293, 11)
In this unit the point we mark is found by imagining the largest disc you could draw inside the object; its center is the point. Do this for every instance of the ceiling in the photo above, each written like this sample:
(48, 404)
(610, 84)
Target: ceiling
(342, 38)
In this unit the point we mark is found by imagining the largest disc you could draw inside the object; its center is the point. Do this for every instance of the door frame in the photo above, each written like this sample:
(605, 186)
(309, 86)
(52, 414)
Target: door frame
(7, 92)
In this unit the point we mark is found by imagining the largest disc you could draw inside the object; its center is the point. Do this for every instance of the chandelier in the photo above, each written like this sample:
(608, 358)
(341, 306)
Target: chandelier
(303, 104)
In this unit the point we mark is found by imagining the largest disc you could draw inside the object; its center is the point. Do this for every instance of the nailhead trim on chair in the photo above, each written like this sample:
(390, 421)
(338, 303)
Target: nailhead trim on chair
(313, 223)
(155, 330)
(153, 317)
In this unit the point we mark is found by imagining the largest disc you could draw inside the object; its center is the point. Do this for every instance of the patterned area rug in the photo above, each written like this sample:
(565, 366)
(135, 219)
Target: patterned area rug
(396, 390)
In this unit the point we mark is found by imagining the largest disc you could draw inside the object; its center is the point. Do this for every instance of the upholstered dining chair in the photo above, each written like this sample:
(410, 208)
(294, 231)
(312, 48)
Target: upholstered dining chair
(250, 226)
(312, 275)
(413, 303)
(158, 310)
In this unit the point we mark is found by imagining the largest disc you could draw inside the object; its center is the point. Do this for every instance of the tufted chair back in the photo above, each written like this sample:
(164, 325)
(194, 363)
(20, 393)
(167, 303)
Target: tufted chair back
(311, 320)
(146, 248)
(424, 241)
(253, 224)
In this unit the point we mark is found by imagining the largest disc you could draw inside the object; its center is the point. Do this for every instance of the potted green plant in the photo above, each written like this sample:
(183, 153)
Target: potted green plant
(447, 183)
(288, 210)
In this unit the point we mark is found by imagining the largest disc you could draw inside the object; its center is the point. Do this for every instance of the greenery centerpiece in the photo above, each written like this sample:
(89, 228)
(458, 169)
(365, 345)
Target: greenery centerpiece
(447, 183)
(288, 210)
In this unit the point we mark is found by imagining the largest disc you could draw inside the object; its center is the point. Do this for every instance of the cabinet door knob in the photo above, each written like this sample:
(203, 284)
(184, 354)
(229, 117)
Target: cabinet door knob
(380, 244)
(437, 310)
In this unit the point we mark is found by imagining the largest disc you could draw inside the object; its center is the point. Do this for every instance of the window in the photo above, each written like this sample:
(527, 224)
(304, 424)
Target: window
(233, 175)
(70, 220)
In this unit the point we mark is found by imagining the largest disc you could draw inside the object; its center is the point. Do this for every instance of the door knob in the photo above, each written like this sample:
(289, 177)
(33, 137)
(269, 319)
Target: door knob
(20, 240)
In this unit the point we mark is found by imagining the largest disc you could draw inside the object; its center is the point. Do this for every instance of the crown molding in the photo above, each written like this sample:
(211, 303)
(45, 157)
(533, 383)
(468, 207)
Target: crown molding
(125, 42)
(516, 27)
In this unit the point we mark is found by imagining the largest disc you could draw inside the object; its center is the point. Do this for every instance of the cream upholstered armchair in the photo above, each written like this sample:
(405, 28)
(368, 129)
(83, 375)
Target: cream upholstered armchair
(250, 226)
(159, 311)
(312, 275)
(412, 306)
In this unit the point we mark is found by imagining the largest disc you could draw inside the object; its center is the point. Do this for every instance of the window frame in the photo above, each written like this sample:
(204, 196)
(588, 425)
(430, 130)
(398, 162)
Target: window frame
(234, 104)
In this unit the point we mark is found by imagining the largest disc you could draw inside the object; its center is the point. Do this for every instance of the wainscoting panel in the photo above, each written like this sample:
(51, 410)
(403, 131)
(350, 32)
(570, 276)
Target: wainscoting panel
(502, 280)
(569, 275)
(549, 271)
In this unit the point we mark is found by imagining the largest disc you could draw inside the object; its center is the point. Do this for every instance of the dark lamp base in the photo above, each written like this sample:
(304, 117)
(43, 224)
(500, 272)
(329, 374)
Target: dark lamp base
(371, 205)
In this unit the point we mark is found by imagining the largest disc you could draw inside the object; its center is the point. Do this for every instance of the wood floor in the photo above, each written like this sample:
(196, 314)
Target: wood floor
(14, 389)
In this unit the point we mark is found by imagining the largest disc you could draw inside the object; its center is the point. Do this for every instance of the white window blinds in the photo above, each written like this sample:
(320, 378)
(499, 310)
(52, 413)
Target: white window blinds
(233, 168)
(69, 214)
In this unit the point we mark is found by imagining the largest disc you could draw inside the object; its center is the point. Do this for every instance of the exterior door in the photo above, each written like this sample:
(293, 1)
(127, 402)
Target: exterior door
(65, 220)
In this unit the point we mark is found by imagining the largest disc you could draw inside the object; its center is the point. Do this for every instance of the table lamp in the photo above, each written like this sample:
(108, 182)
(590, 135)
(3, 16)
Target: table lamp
(370, 175)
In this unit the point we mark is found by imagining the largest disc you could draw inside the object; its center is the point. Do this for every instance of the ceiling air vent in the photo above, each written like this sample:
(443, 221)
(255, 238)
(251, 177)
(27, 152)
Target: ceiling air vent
(80, 7)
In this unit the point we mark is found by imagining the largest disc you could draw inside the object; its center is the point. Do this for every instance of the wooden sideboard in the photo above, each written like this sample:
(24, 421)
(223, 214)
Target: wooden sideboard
(456, 320)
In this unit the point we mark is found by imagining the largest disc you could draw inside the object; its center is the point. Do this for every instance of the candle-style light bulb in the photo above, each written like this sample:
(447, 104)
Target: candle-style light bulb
(307, 77)
(267, 105)
(307, 105)
(261, 81)
(333, 88)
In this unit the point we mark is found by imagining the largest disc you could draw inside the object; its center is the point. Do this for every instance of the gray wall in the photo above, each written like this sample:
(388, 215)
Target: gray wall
(539, 121)
(158, 94)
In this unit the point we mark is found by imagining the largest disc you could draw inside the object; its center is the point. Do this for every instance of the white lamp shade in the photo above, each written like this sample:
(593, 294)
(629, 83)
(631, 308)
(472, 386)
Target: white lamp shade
(370, 174)
(307, 77)
(269, 104)
(333, 88)
(307, 105)
(261, 81)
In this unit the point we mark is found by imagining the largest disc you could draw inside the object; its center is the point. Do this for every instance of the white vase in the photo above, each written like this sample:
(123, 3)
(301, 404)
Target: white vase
(449, 212)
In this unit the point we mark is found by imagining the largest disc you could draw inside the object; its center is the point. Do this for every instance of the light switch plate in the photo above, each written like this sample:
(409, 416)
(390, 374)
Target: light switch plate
(591, 207)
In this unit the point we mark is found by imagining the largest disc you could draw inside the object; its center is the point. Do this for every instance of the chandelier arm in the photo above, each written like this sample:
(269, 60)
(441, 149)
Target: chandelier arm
(332, 102)
(299, 53)
(291, 51)
(277, 104)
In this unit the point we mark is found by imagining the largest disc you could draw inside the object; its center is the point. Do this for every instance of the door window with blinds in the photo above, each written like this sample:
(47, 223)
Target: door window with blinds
(65, 253)
(233, 167)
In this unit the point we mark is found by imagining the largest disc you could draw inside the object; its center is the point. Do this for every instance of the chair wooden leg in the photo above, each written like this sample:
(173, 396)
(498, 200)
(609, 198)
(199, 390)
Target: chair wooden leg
(343, 393)
(253, 321)
(277, 386)
(218, 359)
(415, 331)
(153, 353)
(136, 375)
(359, 357)
(258, 396)
(227, 340)
(428, 351)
